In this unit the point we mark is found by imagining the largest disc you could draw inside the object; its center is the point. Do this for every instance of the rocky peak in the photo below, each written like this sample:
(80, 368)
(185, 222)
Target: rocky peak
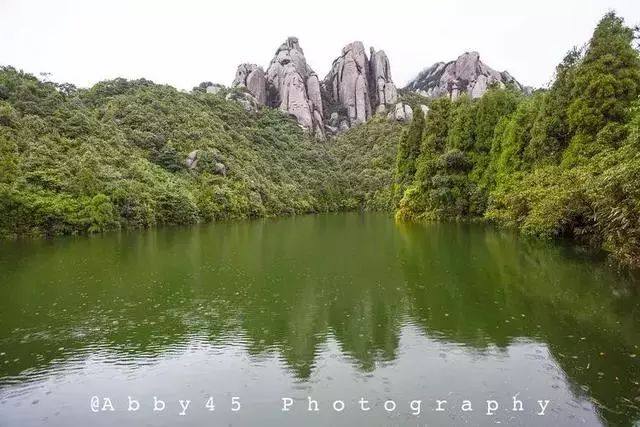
(467, 74)
(294, 87)
(355, 88)
(289, 84)
(358, 85)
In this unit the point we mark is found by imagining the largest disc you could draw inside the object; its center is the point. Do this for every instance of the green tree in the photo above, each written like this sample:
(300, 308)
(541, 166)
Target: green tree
(550, 134)
(461, 132)
(607, 81)
(414, 201)
(408, 151)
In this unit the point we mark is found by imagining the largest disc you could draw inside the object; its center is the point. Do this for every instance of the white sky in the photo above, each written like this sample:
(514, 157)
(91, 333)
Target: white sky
(188, 41)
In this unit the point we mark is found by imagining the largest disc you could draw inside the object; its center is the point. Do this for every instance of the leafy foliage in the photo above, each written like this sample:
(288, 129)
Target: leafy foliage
(366, 155)
(114, 155)
(408, 151)
(564, 162)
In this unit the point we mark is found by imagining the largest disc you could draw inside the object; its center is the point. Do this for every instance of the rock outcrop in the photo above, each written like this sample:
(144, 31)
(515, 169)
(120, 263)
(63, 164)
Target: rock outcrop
(214, 88)
(289, 84)
(252, 77)
(192, 160)
(358, 86)
(348, 83)
(198, 157)
(401, 112)
(247, 100)
(385, 92)
(294, 87)
(467, 74)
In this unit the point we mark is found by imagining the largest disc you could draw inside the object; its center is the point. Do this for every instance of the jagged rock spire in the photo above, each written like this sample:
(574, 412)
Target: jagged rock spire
(294, 87)
(359, 85)
(385, 92)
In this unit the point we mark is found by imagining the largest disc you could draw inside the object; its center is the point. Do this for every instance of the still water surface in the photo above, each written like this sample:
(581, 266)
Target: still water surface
(333, 307)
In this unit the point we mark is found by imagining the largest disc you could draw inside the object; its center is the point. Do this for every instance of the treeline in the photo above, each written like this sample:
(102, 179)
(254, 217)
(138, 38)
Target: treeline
(115, 155)
(564, 162)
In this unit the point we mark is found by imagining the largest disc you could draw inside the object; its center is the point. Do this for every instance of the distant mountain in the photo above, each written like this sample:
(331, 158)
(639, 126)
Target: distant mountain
(467, 74)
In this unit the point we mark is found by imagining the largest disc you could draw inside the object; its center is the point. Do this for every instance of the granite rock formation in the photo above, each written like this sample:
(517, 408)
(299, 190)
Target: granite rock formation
(289, 84)
(347, 84)
(253, 78)
(385, 92)
(358, 86)
(401, 112)
(294, 87)
(246, 99)
(467, 74)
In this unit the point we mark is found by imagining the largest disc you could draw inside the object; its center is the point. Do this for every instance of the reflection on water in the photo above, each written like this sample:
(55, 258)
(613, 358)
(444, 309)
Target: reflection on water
(334, 306)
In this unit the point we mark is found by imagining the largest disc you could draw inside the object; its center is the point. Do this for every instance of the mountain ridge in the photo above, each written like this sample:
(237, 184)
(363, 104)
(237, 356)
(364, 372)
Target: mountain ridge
(357, 86)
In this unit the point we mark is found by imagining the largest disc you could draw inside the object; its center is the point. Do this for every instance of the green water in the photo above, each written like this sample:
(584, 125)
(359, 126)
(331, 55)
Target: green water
(333, 307)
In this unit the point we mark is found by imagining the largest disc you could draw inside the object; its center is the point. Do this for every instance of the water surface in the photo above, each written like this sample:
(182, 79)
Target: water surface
(333, 307)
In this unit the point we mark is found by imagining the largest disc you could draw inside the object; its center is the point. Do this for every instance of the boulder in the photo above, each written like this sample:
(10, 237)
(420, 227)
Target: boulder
(331, 130)
(192, 160)
(401, 112)
(220, 169)
(334, 119)
(206, 159)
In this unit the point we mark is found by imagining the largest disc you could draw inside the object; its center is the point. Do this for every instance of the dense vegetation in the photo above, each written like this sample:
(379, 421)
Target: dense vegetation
(77, 160)
(564, 162)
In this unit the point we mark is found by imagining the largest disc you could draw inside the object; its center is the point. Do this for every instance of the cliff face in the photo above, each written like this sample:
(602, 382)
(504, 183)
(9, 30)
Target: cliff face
(467, 74)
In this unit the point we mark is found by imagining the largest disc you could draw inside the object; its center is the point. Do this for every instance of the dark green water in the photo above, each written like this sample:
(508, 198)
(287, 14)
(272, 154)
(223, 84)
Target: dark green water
(332, 307)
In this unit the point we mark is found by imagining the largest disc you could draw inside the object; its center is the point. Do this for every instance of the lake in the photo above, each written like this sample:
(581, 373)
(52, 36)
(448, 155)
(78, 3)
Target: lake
(369, 321)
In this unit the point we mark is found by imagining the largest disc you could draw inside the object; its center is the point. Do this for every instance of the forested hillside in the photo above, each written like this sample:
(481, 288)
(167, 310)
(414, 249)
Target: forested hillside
(564, 162)
(76, 160)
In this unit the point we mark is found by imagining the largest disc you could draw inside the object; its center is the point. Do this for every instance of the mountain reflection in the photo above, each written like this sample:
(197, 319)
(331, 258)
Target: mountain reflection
(285, 287)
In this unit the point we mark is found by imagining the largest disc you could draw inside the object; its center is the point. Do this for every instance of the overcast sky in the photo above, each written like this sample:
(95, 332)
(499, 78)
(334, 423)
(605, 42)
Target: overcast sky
(185, 42)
